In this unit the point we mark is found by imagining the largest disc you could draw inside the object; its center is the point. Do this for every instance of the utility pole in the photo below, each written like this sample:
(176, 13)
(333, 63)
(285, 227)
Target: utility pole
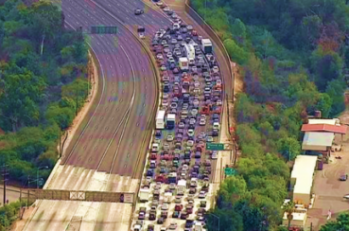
(4, 173)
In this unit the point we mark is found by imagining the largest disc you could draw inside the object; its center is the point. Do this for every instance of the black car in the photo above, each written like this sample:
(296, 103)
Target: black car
(158, 133)
(166, 89)
(150, 172)
(139, 12)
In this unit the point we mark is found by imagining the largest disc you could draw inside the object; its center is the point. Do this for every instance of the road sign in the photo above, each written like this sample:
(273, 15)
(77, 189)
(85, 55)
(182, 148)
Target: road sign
(215, 146)
(229, 171)
(104, 30)
(93, 196)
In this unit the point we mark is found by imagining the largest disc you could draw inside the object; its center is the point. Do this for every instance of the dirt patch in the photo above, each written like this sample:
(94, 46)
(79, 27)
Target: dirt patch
(238, 88)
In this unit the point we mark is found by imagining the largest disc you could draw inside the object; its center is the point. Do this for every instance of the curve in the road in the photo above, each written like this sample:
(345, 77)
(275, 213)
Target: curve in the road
(89, 154)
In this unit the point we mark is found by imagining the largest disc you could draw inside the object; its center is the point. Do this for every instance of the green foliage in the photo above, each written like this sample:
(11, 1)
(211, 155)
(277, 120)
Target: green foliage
(289, 148)
(235, 52)
(341, 223)
(42, 86)
(9, 213)
(293, 54)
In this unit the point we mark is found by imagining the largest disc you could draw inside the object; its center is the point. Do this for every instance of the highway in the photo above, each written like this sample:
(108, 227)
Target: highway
(112, 138)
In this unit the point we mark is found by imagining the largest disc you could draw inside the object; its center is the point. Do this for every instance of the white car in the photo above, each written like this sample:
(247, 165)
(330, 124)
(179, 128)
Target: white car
(155, 147)
(190, 143)
(141, 35)
(202, 122)
(181, 125)
(159, 3)
(202, 194)
(216, 126)
(191, 132)
(169, 138)
(164, 103)
(160, 56)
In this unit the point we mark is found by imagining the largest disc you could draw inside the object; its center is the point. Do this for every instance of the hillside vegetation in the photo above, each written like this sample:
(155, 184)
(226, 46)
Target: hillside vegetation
(294, 54)
(42, 85)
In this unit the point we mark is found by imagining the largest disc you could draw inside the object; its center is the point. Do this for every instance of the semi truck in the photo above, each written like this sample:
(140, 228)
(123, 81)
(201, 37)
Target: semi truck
(160, 119)
(206, 46)
(183, 64)
(171, 121)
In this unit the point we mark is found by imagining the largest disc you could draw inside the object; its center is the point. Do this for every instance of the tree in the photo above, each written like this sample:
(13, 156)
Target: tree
(289, 148)
(341, 223)
(335, 90)
(232, 188)
(235, 52)
(289, 209)
(224, 220)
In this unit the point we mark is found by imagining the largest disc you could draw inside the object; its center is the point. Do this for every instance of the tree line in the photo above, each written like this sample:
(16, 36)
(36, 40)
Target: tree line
(43, 83)
(293, 55)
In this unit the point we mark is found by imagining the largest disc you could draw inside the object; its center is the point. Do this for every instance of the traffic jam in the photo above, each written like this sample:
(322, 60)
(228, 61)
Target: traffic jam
(174, 192)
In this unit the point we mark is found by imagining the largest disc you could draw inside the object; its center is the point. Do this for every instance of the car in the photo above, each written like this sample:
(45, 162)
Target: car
(214, 155)
(174, 105)
(160, 56)
(202, 195)
(175, 71)
(215, 132)
(138, 11)
(181, 125)
(215, 69)
(202, 122)
(194, 33)
(169, 137)
(184, 30)
(173, 41)
(216, 126)
(159, 3)
(173, 226)
(190, 143)
(189, 27)
(164, 103)
(191, 132)
(184, 216)
(343, 177)
(163, 68)
(175, 214)
(155, 147)
(174, 16)
(207, 90)
(161, 220)
(209, 139)
(151, 227)
(166, 9)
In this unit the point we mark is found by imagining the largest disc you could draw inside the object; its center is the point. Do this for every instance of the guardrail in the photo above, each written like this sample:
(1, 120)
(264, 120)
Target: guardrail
(209, 30)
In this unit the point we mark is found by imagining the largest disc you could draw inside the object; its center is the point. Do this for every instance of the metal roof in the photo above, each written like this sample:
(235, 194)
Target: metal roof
(341, 129)
(323, 121)
(303, 170)
(323, 139)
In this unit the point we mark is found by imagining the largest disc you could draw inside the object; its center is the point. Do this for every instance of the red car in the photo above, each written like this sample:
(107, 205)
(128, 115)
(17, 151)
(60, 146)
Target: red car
(194, 33)
(153, 156)
(160, 179)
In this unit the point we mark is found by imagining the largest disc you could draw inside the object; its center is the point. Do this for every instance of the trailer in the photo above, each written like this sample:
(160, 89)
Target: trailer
(206, 46)
(144, 194)
(160, 119)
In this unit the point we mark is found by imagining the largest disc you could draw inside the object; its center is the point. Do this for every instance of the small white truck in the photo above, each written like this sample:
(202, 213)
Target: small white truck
(184, 64)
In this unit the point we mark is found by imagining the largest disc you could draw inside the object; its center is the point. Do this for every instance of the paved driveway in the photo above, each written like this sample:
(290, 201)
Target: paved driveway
(329, 190)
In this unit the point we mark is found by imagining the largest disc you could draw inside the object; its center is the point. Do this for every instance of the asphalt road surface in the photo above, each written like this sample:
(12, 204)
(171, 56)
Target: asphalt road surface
(111, 138)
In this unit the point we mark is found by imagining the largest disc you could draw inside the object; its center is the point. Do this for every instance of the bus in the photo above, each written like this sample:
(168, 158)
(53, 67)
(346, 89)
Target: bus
(160, 120)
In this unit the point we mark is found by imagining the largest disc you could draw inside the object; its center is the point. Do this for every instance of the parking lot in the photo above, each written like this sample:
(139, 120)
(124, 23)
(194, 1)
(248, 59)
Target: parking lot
(176, 190)
(328, 189)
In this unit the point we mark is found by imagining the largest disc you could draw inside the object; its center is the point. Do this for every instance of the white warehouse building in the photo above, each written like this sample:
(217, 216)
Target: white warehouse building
(302, 178)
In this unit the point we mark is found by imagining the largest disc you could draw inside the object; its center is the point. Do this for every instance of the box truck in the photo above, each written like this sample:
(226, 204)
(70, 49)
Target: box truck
(170, 121)
(184, 63)
(206, 46)
(160, 119)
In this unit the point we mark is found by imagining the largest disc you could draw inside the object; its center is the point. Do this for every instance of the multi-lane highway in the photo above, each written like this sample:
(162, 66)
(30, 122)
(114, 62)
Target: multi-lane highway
(112, 136)
(115, 134)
